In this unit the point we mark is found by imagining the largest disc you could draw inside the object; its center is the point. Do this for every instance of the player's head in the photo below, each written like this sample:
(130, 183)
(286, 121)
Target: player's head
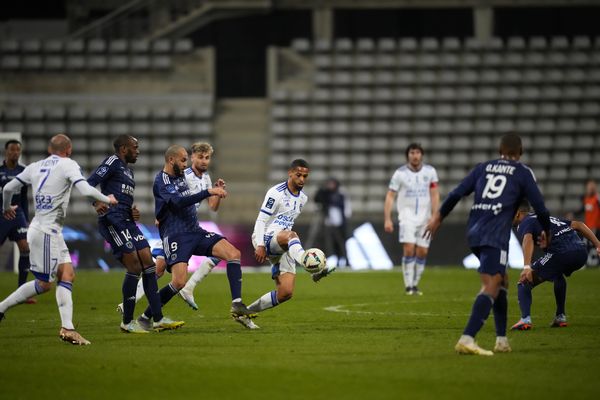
(590, 187)
(414, 154)
(12, 151)
(297, 174)
(511, 146)
(127, 148)
(60, 145)
(176, 158)
(201, 156)
(522, 211)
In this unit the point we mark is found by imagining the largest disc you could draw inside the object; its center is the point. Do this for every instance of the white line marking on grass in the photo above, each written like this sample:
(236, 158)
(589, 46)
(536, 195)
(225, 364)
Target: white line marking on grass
(342, 308)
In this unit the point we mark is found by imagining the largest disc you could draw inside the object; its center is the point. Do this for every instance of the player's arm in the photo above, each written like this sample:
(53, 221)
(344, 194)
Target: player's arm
(12, 187)
(215, 201)
(73, 173)
(528, 246)
(434, 195)
(464, 188)
(587, 233)
(388, 224)
(100, 175)
(533, 194)
(268, 207)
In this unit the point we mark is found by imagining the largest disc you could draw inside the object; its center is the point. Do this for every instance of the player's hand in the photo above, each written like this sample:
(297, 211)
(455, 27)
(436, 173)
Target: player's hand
(432, 226)
(100, 207)
(218, 191)
(388, 226)
(260, 254)
(112, 200)
(526, 276)
(220, 183)
(135, 213)
(11, 213)
(156, 223)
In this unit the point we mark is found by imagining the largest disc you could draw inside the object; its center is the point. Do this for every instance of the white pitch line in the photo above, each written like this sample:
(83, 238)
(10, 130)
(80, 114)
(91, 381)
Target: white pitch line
(341, 308)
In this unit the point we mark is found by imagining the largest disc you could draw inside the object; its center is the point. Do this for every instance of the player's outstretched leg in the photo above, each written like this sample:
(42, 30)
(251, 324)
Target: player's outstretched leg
(23, 292)
(187, 293)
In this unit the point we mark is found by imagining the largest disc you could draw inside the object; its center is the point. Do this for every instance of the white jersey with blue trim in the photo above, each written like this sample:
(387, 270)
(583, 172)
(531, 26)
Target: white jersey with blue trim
(196, 183)
(413, 200)
(278, 212)
(51, 180)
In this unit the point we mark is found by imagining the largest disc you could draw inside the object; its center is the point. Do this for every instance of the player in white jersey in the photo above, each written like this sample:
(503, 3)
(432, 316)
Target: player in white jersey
(416, 185)
(274, 239)
(51, 180)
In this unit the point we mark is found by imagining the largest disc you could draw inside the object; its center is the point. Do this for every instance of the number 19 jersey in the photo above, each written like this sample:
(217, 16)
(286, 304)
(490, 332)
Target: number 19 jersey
(499, 186)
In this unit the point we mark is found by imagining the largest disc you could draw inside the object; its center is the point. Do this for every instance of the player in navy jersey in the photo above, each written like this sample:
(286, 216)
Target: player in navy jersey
(117, 226)
(182, 236)
(15, 230)
(565, 254)
(499, 186)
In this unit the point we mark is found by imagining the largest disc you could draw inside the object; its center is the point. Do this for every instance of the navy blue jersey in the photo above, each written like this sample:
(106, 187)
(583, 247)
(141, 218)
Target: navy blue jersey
(499, 186)
(20, 199)
(564, 238)
(115, 177)
(174, 205)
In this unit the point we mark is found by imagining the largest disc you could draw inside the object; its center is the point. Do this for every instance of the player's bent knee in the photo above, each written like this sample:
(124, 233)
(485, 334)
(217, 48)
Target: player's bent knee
(44, 286)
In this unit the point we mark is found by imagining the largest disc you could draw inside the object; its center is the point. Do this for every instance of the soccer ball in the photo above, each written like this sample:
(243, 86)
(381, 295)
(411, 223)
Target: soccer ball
(314, 260)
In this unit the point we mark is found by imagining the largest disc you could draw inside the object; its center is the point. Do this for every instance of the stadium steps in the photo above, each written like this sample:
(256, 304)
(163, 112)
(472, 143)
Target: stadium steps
(241, 156)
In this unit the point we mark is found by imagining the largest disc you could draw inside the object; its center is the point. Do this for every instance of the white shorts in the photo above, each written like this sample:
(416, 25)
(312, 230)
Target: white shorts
(412, 233)
(46, 253)
(279, 258)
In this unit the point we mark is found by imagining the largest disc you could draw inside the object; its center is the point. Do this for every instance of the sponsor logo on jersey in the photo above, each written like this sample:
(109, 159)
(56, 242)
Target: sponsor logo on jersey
(102, 170)
(270, 202)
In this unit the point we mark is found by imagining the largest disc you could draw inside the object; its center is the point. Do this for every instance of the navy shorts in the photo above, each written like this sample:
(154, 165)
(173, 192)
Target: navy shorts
(181, 247)
(492, 260)
(551, 266)
(122, 234)
(14, 230)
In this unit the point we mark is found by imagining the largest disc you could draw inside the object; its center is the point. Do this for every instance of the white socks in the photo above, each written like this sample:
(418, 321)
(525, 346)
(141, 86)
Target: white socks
(408, 268)
(199, 274)
(295, 250)
(266, 301)
(65, 304)
(419, 268)
(22, 293)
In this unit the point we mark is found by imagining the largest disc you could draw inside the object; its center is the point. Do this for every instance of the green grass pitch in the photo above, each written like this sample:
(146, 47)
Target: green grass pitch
(351, 336)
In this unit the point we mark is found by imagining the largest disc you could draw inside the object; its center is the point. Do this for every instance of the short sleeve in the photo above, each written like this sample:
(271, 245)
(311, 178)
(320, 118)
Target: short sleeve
(270, 203)
(72, 171)
(395, 182)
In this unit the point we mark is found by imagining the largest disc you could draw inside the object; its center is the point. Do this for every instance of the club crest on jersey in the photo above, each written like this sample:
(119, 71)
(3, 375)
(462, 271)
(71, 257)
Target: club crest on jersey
(102, 170)
(270, 202)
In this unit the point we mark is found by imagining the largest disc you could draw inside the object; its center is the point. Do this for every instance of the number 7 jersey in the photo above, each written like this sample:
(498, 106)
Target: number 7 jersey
(51, 181)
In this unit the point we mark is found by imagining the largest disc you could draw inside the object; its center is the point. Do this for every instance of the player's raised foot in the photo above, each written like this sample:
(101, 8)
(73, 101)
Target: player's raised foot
(408, 291)
(524, 324)
(317, 276)
(245, 321)
(560, 321)
(120, 308)
(73, 337)
(166, 324)
(31, 300)
(502, 345)
(238, 308)
(132, 327)
(467, 346)
(188, 297)
(416, 291)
